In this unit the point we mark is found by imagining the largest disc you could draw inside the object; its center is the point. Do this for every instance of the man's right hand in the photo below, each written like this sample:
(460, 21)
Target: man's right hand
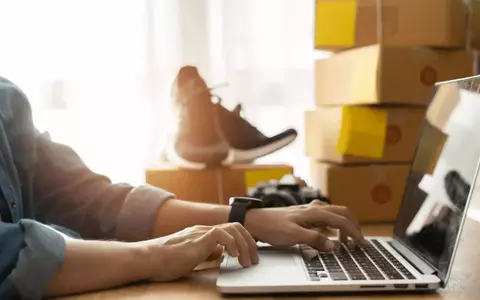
(176, 255)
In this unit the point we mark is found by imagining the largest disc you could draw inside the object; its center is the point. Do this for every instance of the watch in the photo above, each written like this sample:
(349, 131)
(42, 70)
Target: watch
(240, 206)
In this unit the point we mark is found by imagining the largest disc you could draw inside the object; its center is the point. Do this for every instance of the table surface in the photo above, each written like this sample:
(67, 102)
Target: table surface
(464, 282)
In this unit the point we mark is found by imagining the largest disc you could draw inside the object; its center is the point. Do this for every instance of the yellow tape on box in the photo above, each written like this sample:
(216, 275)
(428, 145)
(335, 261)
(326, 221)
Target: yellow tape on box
(363, 131)
(335, 22)
(255, 176)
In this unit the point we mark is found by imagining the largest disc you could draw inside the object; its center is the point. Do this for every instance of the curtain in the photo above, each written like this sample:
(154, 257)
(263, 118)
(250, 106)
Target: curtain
(98, 73)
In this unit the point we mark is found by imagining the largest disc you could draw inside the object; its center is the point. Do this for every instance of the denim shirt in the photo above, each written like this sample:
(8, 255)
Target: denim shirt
(44, 183)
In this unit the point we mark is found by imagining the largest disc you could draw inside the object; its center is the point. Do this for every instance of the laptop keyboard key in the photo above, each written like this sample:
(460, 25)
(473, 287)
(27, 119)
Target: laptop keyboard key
(338, 276)
(356, 262)
(407, 274)
(357, 277)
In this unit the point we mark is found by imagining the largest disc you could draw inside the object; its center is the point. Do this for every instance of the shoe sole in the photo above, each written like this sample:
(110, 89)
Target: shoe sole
(244, 156)
(234, 155)
(173, 157)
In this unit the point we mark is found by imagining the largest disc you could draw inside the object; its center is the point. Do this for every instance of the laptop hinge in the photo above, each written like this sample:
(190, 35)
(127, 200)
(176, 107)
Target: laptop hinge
(414, 259)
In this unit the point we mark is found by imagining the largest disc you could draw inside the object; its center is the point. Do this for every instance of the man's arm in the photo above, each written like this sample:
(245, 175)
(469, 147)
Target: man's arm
(67, 193)
(277, 226)
(176, 215)
(96, 265)
(30, 255)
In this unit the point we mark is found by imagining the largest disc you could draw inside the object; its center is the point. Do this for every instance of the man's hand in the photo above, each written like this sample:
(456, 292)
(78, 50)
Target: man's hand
(303, 225)
(176, 255)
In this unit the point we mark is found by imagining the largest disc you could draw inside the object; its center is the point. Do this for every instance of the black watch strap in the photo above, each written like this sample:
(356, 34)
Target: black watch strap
(238, 212)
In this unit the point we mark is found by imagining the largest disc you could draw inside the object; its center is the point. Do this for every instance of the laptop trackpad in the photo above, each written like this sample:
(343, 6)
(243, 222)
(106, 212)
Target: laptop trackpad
(270, 257)
(276, 267)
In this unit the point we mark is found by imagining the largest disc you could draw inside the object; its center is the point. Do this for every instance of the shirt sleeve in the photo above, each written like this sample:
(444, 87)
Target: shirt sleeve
(67, 193)
(31, 255)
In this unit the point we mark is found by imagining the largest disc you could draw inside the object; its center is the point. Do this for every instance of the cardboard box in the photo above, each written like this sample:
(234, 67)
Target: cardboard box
(373, 193)
(324, 128)
(341, 24)
(430, 147)
(475, 25)
(213, 185)
(387, 75)
(446, 98)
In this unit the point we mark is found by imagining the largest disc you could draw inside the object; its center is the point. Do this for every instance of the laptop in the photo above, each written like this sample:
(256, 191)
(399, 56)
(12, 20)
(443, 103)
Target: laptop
(420, 254)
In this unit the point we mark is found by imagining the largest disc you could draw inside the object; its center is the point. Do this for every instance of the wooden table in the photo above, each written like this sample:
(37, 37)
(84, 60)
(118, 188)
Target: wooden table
(464, 283)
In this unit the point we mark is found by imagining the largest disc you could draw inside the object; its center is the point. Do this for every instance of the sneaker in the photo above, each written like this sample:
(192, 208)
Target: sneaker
(199, 142)
(457, 189)
(246, 141)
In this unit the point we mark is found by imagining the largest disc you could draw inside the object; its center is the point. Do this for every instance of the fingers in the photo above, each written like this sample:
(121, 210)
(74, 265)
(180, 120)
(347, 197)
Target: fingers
(318, 216)
(242, 245)
(252, 245)
(217, 253)
(236, 240)
(217, 236)
(344, 212)
(314, 238)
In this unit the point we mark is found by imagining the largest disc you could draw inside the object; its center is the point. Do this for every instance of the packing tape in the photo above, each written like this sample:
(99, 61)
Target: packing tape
(339, 17)
(469, 33)
(363, 131)
(253, 177)
(379, 22)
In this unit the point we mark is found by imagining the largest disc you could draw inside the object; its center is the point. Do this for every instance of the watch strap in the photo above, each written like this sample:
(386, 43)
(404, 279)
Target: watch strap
(237, 213)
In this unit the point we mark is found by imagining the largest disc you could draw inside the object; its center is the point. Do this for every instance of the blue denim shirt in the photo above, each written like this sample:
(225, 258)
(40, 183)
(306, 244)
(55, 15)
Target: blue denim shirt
(42, 182)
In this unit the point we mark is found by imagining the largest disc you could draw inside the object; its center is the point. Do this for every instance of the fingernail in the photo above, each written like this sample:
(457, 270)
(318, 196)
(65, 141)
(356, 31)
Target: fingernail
(328, 245)
(248, 263)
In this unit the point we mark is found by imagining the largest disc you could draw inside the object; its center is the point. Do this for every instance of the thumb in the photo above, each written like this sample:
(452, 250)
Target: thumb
(314, 239)
(216, 253)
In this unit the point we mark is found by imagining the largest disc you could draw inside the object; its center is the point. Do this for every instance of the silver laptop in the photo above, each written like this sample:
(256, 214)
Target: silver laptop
(420, 254)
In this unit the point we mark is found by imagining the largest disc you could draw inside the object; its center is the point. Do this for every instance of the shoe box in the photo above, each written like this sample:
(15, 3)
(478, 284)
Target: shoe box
(388, 75)
(214, 185)
(431, 23)
(372, 192)
(356, 134)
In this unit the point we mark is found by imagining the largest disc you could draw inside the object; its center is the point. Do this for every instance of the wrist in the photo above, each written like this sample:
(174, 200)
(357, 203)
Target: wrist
(143, 253)
(253, 222)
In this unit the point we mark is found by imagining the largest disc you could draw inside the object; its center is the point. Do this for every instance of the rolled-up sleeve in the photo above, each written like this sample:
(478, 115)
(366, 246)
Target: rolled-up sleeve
(139, 213)
(31, 254)
(68, 193)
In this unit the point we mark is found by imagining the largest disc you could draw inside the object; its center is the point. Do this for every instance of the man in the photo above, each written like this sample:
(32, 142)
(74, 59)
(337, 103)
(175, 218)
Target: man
(131, 233)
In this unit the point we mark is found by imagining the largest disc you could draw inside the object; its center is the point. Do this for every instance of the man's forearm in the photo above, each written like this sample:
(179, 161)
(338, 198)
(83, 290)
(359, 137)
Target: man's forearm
(175, 215)
(94, 265)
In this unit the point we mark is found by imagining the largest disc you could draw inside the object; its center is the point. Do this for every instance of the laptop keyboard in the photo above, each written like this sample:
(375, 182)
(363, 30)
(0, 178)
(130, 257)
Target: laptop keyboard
(345, 262)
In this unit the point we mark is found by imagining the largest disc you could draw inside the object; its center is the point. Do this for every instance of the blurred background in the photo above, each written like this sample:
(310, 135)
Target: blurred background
(98, 73)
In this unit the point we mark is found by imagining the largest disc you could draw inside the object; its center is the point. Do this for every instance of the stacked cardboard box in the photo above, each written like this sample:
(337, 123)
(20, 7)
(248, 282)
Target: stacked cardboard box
(372, 94)
(214, 185)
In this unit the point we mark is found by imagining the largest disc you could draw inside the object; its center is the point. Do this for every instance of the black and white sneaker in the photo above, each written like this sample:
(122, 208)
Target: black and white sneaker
(199, 142)
(210, 135)
(457, 189)
(246, 141)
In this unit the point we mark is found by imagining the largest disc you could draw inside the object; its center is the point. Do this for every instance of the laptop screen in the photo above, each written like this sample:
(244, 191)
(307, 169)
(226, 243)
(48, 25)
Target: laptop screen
(442, 174)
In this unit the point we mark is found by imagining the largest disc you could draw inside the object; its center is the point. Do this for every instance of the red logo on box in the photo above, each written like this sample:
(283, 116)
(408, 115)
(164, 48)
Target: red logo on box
(381, 194)
(394, 134)
(428, 76)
